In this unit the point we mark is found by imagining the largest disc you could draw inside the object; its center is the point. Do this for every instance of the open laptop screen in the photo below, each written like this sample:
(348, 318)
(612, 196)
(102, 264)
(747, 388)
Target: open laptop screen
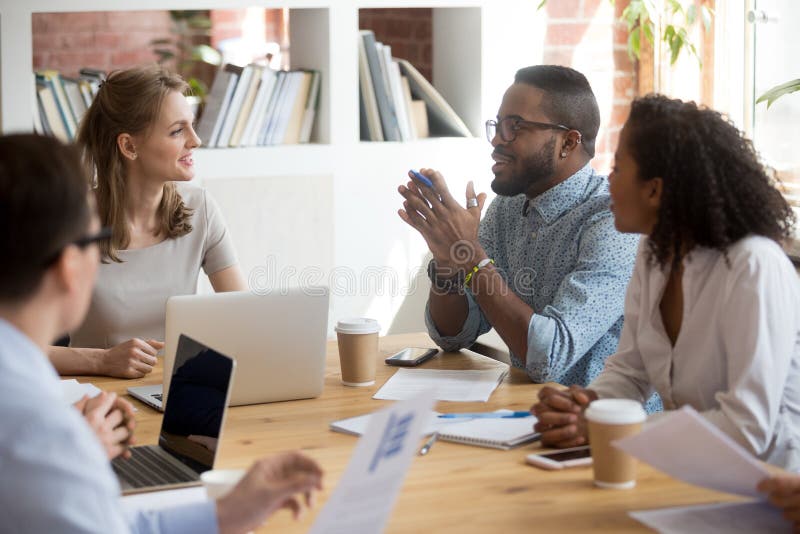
(198, 395)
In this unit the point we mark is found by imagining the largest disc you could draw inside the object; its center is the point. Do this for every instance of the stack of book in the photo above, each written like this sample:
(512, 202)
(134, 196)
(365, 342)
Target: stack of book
(397, 103)
(256, 105)
(62, 101)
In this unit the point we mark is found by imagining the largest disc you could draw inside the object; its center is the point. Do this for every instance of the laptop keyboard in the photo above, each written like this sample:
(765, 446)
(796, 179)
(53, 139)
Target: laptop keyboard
(158, 396)
(150, 466)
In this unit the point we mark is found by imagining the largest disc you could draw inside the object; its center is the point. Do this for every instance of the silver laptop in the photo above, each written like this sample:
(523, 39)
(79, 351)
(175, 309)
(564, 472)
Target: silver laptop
(192, 425)
(278, 341)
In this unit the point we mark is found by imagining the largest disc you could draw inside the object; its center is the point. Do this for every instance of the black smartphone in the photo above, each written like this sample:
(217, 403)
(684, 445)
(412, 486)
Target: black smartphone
(411, 356)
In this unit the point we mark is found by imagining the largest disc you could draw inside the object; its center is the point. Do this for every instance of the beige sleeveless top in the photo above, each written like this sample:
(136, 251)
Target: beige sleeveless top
(129, 298)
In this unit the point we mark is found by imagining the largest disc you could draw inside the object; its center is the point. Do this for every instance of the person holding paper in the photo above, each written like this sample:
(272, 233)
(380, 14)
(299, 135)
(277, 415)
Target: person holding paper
(545, 267)
(784, 492)
(56, 475)
(139, 138)
(712, 313)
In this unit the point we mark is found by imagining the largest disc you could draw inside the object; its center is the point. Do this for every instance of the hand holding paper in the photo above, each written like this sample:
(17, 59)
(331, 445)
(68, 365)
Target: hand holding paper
(689, 448)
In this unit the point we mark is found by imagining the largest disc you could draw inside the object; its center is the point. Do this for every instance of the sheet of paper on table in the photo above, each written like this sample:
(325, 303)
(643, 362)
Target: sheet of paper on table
(368, 489)
(685, 446)
(726, 518)
(459, 386)
(72, 390)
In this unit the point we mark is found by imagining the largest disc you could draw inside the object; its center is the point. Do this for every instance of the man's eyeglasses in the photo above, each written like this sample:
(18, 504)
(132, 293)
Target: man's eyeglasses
(82, 242)
(509, 126)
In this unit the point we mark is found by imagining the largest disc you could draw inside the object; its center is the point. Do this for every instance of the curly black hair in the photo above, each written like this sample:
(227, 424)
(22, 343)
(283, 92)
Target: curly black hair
(715, 189)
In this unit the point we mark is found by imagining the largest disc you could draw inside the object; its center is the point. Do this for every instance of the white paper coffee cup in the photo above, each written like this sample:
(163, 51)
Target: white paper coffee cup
(610, 420)
(218, 482)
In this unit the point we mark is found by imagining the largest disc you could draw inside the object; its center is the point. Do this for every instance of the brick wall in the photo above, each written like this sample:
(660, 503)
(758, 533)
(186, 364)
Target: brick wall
(407, 31)
(70, 41)
(587, 35)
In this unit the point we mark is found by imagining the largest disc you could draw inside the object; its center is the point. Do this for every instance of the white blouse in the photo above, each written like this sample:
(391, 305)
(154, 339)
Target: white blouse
(737, 357)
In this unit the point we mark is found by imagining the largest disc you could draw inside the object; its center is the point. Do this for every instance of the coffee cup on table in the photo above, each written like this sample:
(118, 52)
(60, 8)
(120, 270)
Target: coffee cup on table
(358, 350)
(610, 420)
(218, 482)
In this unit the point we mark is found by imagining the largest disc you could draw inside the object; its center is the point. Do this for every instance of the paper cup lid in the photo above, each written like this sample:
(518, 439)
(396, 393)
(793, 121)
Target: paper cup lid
(358, 325)
(616, 412)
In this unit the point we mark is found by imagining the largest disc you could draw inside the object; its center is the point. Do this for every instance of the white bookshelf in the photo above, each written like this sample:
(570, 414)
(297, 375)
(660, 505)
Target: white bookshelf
(342, 190)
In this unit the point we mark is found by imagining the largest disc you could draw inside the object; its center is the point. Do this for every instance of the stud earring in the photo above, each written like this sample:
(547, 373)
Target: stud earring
(563, 154)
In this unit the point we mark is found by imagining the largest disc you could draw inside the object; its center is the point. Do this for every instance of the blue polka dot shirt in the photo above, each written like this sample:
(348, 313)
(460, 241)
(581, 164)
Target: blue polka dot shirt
(561, 254)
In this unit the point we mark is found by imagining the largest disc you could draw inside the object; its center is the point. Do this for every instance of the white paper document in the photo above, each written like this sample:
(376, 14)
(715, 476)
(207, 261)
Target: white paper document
(687, 447)
(461, 386)
(158, 500)
(73, 391)
(727, 518)
(368, 489)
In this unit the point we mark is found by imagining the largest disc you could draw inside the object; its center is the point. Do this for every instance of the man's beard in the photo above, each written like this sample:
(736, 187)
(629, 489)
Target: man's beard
(536, 169)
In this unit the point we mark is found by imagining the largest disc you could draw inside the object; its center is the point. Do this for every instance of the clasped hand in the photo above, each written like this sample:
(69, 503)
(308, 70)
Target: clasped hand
(450, 230)
(111, 419)
(560, 416)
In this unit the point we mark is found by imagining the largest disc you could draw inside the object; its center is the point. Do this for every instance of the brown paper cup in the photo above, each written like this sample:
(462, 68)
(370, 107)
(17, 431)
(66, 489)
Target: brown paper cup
(358, 350)
(610, 420)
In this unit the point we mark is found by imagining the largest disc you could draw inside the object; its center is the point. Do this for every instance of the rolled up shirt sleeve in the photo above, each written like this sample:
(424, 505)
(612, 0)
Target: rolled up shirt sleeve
(475, 325)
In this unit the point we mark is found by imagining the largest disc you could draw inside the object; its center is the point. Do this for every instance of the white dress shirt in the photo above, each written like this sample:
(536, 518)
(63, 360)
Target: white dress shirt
(56, 476)
(737, 357)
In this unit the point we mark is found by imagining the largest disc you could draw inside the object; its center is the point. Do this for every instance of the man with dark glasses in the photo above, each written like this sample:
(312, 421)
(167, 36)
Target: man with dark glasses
(545, 267)
(56, 475)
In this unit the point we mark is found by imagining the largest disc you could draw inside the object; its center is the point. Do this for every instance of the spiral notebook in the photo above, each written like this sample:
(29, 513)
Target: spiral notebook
(502, 434)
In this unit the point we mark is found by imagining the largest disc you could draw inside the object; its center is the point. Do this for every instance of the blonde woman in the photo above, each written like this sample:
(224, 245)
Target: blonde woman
(138, 136)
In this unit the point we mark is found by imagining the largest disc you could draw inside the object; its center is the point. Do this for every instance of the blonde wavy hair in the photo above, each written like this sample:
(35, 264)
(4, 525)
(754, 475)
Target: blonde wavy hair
(129, 101)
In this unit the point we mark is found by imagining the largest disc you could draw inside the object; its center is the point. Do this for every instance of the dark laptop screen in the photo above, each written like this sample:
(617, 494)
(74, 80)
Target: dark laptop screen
(198, 393)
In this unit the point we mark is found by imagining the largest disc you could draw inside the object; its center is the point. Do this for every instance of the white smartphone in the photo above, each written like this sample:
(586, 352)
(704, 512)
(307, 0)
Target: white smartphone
(411, 356)
(574, 457)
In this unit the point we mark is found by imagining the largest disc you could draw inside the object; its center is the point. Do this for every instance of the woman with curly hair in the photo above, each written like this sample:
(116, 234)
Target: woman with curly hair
(712, 313)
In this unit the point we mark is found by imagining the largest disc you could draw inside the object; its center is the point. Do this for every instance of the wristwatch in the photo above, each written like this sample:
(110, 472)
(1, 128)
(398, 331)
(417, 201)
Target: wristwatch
(445, 285)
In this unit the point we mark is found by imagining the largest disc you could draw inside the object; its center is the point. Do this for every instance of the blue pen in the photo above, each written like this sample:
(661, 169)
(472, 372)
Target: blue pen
(485, 415)
(421, 177)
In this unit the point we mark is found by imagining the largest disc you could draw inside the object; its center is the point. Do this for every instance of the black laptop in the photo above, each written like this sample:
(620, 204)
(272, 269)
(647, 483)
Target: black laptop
(192, 426)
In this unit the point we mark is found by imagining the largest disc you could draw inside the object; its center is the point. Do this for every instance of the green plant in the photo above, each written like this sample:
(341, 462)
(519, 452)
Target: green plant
(185, 48)
(641, 16)
(778, 91)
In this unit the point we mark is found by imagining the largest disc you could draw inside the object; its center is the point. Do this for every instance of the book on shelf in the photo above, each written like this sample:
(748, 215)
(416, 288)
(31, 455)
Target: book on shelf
(386, 111)
(52, 122)
(370, 119)
(312, 103)
(235, 106)
(61, 102)
(396, 102)
(52, 79)
(247, 105)
(216, 104)
(294, 120)
(256, 105)
(265, 88)
(442, 119)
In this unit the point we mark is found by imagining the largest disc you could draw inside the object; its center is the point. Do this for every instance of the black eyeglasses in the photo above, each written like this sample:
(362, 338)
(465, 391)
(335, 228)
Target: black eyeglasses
(509, 126)
(82, 242)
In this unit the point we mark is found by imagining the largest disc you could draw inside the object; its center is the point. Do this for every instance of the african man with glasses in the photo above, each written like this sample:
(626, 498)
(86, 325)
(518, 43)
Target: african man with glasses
(545, 267)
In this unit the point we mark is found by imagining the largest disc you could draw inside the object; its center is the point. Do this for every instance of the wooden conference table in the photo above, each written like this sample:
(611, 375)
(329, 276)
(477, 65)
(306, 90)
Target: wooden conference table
(455, 488)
